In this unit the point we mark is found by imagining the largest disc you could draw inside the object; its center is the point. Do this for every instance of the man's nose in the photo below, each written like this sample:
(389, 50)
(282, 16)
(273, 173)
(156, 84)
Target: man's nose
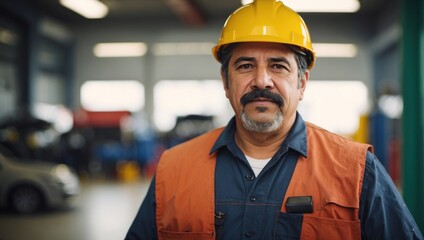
(263, 79)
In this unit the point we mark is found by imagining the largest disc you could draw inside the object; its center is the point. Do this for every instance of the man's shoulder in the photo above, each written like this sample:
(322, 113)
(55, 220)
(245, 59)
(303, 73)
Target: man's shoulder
(185, 154)
(332, 139)
(313, 129)
(205, 140)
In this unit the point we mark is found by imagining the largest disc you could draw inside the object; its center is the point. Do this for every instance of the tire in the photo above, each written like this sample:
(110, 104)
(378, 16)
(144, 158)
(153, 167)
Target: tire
(26, 199)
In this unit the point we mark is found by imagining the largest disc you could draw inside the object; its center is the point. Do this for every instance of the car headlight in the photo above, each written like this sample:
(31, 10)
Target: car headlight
(66, 178)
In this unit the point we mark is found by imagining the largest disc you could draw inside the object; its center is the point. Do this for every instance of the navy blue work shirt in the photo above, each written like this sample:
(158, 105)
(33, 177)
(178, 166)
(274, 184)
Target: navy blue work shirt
(248, 207)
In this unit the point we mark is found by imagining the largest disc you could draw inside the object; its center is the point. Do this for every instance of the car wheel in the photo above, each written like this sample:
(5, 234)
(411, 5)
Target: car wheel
(26, 199)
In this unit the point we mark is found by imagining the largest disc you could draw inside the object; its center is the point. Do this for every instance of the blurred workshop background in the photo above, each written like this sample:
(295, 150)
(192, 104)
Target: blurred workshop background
(99, 88)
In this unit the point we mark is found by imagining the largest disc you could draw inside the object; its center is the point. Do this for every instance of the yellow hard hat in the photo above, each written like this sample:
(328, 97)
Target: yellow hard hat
(266, 21)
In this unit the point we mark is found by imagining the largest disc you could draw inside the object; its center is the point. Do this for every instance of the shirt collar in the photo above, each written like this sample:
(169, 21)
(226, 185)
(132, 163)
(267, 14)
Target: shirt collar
(296, 139)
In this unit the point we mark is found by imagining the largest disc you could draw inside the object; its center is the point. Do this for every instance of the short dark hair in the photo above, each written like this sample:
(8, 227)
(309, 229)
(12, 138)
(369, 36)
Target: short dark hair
(225, 53)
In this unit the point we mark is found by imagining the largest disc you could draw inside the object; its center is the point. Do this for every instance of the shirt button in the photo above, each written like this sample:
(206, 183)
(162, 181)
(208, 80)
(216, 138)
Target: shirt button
(248, 234)
(252, 198)
(250, 176)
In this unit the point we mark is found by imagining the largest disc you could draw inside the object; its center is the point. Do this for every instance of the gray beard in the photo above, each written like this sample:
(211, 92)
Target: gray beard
(261, 127)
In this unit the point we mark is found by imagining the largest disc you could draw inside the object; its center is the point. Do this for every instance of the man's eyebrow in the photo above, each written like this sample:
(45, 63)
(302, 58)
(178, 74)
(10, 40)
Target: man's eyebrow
(243, 59)
(279, 59)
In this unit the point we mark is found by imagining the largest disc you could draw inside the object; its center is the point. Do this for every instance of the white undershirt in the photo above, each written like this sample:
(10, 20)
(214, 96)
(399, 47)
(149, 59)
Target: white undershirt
(257, 164)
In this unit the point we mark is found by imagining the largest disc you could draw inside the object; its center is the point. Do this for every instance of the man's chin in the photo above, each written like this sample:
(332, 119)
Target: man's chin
(264, 124)
(262, 117)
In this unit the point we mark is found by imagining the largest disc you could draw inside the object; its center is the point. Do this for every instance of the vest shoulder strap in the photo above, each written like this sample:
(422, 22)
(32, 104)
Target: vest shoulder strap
(185, 186)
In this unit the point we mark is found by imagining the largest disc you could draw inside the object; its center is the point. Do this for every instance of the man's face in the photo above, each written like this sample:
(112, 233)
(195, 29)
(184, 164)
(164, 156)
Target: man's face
(263, 85)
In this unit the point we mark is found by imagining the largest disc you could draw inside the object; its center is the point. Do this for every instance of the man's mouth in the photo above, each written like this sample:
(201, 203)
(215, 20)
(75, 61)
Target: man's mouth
(261, 100)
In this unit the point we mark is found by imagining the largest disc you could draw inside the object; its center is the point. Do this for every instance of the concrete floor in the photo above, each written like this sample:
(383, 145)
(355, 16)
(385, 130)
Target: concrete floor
(103, 211)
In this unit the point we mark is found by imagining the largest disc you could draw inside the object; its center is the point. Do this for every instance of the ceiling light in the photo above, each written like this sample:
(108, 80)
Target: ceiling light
(87, 8)
(124, 49)
(319, 5)
(335, 50)
(182, 48)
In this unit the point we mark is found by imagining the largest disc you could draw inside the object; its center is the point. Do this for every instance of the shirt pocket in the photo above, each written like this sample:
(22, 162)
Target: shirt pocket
(186, 235)
(287, 226)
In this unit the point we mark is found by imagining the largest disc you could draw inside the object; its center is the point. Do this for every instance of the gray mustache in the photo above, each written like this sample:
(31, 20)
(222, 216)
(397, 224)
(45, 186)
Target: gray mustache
(261, 93)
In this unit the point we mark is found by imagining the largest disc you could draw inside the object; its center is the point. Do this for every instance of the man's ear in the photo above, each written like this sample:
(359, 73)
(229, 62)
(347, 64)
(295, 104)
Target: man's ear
(302, 84)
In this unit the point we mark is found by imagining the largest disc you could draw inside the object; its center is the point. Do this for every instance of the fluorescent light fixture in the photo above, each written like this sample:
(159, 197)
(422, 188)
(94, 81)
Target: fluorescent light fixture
(335, 50)
(115, 95)
(182, 48)
(87, 8)
(320, 5)
(123, 49)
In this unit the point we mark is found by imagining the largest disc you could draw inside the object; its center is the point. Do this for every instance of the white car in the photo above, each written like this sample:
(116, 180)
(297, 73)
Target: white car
(28, 185)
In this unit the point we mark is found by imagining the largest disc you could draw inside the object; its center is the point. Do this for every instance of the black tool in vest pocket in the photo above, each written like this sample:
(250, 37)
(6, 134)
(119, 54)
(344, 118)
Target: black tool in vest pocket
(299, 204)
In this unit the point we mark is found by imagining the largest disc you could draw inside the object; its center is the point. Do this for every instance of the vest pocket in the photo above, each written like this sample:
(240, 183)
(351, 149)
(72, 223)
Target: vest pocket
(328, 228)
(299, 226)
(185, 235)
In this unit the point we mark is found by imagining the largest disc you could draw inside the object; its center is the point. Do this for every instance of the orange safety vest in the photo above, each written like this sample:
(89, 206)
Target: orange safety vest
(332, 174)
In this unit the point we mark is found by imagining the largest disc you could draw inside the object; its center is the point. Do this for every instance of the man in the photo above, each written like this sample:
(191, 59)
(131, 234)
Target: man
(268, 174)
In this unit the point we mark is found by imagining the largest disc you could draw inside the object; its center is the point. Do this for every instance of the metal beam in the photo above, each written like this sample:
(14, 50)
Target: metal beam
(412, 15)
(188, 11)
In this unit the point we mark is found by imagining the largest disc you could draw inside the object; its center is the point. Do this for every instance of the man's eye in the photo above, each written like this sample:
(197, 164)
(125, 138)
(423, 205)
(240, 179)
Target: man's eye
(278, 66)
(245, 66)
